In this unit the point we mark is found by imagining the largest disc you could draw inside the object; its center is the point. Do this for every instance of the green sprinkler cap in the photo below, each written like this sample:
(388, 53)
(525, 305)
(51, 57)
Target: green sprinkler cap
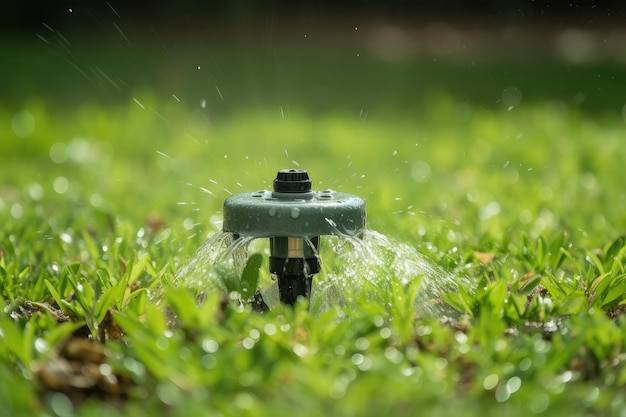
(294, 210)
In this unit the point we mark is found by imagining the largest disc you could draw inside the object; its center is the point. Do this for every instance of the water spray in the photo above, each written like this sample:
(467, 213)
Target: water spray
(294, 216)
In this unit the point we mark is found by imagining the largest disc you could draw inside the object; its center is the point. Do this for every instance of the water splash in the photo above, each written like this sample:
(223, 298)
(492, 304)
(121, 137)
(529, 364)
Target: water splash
(365, 267)
(220, 252)
(354, 270)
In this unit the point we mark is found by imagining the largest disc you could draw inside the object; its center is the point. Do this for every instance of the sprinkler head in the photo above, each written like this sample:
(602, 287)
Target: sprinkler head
(294, 216)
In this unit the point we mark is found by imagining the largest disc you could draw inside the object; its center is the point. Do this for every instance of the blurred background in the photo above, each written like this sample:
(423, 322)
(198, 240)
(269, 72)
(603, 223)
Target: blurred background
(444, 115)
(31, 13)
(108, 49)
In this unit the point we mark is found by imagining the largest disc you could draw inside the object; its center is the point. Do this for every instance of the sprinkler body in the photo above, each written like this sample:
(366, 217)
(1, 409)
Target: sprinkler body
(293, 217)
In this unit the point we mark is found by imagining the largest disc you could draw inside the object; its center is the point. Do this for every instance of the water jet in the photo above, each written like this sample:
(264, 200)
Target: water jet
(294, 216)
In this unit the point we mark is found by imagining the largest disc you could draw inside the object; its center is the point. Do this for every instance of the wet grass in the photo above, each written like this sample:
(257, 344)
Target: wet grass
(107, 193)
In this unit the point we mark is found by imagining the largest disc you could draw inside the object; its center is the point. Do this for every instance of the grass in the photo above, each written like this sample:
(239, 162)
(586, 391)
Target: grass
(106, 194)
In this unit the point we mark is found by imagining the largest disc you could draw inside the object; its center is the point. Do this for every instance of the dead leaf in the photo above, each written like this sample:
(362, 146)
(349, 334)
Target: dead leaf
(616, 311)
(484, 257)
(123, 265)
(108, 328)
(29, 308)
(80, 370)
(154, 223)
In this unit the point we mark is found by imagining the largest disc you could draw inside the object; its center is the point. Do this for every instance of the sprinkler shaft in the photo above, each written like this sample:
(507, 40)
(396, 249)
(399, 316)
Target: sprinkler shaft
(295, 247)
(293, 262)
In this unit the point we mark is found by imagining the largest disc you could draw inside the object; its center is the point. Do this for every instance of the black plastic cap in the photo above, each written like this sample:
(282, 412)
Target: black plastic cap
(292, 181)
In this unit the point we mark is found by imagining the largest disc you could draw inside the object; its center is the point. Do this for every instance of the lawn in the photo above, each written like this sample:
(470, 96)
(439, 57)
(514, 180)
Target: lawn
(500, 172)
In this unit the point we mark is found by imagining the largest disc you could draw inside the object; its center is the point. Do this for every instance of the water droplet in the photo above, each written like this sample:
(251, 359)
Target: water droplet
(511, 97)
(139, 103)
(338, 389)
(330, 222)
(525, 364)
(393, 355)
(592, 397)
(420, 171)
(134, 367)
(162, 343)
(61, 405)
(490, 382)
(41, 345)
(66, 238)
(272, 211)
(245, 401)
(105, 369)
(357, 359)
(58, 153)
(35, 191)
(300, 350)
(208, 361)
(489, 210)
(248, 343)
(362, 343)
(295, 213)
(424, 330)
(408, 371)
(269, 329)
(188, 223)
(17, 211)
(461, 337)
(23, 124)
(168, 393)
(210, 346)
(502, 394)
(513, 384)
